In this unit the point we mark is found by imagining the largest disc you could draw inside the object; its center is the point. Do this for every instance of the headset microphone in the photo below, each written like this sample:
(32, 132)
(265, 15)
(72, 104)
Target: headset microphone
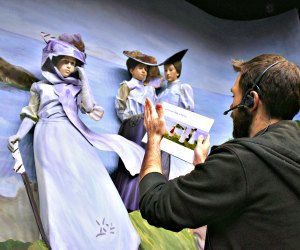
(234, 107)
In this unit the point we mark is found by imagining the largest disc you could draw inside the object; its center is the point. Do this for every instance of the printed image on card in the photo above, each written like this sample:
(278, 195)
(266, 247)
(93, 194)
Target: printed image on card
(183, 128)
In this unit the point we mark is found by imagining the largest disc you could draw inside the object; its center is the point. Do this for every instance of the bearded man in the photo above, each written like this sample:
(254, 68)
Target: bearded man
(247, 190)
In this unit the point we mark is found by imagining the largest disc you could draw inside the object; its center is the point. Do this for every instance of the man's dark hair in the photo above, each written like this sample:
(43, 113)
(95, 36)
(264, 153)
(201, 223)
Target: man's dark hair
(280, 85)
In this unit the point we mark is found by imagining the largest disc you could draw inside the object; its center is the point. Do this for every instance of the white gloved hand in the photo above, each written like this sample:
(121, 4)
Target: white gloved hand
(97, 113)
(81, 73)
(11, 142)
(24, 128)
(87, 99)
(18, 167)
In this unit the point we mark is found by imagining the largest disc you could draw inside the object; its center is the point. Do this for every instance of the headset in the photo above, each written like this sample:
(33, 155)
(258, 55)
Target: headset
(247, 100)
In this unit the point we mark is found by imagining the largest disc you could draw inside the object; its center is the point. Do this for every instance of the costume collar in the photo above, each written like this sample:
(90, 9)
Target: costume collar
(170, 84)
(133, 83)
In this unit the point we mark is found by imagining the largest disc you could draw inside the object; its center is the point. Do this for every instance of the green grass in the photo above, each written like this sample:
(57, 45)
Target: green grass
(152, 238)
(159, 238)
(175, 138)
(18, 245)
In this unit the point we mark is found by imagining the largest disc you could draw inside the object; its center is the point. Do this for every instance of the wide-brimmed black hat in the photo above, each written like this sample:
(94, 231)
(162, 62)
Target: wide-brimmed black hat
(174, 58)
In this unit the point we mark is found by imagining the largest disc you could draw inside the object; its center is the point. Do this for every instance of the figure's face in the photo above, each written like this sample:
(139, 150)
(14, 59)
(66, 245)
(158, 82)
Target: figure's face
(139, 72)
(170, 73)
(242, 117)
(66, 65)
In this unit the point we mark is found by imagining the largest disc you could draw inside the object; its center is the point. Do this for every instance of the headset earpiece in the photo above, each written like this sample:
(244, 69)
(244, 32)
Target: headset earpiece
(249, 101)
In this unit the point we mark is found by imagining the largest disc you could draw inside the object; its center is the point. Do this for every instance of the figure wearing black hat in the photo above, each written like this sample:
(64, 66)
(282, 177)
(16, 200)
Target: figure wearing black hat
(178, 94)
(175, 92)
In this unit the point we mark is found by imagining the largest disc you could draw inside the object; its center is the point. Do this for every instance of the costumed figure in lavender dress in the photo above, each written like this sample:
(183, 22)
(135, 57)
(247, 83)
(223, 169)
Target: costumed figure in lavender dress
(129, 104)
(79, 205)
(178, 94)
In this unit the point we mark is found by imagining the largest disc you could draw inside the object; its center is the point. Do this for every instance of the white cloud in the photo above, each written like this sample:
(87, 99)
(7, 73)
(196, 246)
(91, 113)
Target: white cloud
(9, 186)
(4, 123)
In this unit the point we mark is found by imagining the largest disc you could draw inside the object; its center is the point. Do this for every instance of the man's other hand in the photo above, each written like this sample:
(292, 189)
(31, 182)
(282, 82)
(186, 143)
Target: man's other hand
(154, 121)
(201, 150)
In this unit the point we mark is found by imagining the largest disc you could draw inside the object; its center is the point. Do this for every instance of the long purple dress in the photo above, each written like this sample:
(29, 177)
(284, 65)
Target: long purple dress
(79, 204)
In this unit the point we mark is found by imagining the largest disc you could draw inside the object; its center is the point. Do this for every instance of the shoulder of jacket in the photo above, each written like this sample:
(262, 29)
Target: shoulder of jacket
(43, 82)
(185, 86)
(231, 145)
(124, 82)
(37, 85)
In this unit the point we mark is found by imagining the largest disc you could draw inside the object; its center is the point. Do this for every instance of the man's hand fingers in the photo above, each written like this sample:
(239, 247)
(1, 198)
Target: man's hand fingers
(207, 141)
(201, 150)
(200, 140)
(160, 110)
(152, 110)
(146, 112)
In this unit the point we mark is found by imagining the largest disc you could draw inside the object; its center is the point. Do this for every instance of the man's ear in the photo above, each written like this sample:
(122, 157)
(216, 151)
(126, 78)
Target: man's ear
(255, 98)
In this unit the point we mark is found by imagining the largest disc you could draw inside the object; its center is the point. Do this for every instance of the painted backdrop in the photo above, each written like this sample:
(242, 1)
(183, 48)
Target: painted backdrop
(158, 28)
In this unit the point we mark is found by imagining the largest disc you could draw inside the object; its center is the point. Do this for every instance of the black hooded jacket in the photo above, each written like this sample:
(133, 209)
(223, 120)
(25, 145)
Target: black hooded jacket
(247, 192)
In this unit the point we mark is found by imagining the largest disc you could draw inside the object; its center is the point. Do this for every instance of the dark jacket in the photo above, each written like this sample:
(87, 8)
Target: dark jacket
(247, 192)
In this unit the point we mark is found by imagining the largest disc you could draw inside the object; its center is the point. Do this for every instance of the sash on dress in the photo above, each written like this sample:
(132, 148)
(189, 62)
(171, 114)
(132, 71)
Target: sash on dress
(67, 91)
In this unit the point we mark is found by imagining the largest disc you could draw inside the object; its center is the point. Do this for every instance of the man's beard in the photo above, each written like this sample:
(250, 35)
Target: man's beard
(242, 121)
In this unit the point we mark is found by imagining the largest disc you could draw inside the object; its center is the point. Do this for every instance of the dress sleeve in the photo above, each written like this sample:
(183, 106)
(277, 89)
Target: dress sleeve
(85, 99)
(31, 111)
(214, 190)
(121, 100)
(187, 97)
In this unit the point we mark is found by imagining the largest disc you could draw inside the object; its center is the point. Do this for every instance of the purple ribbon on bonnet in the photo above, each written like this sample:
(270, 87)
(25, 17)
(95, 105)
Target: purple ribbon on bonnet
(57, 48)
